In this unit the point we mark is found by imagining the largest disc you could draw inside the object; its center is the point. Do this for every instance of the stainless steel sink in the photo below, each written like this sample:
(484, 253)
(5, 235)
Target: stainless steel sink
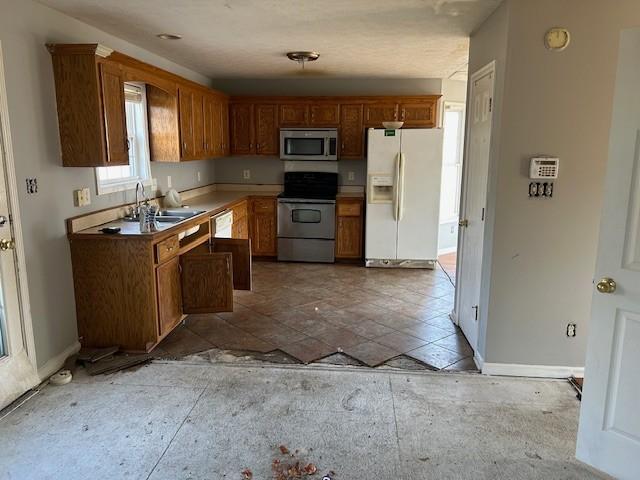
(169, 216)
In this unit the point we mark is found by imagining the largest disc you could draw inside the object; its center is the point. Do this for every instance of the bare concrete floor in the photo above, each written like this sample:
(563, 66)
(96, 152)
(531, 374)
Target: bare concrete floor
(182, 420)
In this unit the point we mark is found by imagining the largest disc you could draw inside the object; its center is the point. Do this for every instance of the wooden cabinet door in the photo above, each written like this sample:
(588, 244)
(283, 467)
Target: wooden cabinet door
(264, 227)
(325, 115)
(240, 228)
(376, 113)
(207, 281)
(240, 249)
(200, 150)
(294, 115)
(187, 144)
(209, 125)
(418, 114)
(241, 119)
(351, 131)
(349, 228)
(226, 140)
(169, 295)
(266, 129)
(349, 237)
(217, 147)
(115, 120)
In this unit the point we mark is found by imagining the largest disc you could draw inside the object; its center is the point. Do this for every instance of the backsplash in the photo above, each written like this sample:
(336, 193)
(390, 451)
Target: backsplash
(270, 170)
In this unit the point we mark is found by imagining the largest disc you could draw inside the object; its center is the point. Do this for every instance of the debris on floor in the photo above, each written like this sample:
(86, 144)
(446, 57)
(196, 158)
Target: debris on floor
(105, 361)
(576, 383)
(61, 377)
(290, 466)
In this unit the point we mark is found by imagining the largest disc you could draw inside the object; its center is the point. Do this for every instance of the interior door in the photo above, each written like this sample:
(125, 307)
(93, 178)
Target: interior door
(207, 280)
(609, 433)
(17, 361)
(419, 216)
(240, 249)
(476, 172)
(381, 226)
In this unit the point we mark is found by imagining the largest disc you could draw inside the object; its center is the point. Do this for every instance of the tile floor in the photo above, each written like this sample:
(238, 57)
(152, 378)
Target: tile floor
(311, 311)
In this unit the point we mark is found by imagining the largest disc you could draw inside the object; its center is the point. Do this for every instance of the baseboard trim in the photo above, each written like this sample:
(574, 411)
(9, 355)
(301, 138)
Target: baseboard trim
(479, 361)
(54, 364)
(538, 371)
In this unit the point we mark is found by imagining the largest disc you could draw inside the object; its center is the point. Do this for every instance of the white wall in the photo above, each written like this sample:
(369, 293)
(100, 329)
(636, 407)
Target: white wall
(541, 258)
(25, 27)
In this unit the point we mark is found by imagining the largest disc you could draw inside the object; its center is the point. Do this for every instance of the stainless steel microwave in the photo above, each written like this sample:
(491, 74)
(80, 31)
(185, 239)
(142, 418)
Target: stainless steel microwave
(309, 144)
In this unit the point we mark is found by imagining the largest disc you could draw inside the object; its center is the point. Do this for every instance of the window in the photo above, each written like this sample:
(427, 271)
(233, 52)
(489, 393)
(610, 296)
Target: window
(452, 162)
(125, 177)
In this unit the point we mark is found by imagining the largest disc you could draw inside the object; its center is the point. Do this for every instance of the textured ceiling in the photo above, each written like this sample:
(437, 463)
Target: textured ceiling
(248, 38)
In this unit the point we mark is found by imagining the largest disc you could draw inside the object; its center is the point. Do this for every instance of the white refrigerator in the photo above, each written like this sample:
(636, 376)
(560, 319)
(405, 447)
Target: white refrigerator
(403, 197)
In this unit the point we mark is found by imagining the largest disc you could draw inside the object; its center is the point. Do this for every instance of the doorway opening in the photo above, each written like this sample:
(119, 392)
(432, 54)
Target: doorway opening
(452, 157)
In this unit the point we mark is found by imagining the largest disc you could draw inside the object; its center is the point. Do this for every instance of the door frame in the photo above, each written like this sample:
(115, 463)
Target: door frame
(25, 357)
(483, 71)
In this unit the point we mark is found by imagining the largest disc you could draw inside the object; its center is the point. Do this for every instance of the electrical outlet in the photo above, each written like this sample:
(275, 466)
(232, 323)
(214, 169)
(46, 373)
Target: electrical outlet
(246, 174)
(571, 329)
(82, 197)
(199, 176)
(168, 181)
(32, 186)
(351, 176)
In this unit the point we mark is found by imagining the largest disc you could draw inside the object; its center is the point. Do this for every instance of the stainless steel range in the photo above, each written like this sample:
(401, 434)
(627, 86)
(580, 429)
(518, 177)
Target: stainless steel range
(307, 217)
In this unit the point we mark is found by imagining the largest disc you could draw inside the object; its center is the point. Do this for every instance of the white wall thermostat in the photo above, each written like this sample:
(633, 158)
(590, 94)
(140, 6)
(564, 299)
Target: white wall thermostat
(544, 167)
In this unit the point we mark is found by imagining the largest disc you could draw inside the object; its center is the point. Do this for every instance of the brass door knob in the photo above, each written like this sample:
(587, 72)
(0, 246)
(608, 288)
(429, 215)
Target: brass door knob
(606, 285)
(463, 223)
(7, 244)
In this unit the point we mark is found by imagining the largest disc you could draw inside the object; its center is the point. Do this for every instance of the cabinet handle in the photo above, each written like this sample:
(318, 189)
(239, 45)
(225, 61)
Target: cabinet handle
(342, 145)
(127, 145)
(184, 146)
(228, 268)
(403, 114)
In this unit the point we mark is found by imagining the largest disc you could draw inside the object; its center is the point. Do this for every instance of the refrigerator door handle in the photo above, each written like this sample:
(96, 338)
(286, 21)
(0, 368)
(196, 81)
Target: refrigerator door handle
(401, 164)
(396, 189)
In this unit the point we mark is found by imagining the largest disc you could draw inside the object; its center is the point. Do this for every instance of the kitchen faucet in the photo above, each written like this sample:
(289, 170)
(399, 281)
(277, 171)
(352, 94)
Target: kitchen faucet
(139, 186)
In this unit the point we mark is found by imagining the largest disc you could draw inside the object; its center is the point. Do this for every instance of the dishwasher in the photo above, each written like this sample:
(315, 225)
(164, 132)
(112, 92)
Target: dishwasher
(221, 224)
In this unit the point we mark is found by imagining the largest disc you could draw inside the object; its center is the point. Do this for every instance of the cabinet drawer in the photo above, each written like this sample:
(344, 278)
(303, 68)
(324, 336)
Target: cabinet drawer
(264, 205)
(349, 209)
(239, 211)
(167, 249)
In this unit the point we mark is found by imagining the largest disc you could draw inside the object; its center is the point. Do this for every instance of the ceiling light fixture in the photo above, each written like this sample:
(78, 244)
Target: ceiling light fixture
(303, 57)
(169, 36)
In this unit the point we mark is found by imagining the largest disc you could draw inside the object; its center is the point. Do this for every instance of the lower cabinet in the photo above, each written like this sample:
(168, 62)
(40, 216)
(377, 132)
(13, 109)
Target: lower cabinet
(349, 228)
(264, 226)
(207, 280)
(131, 292)
(240, 227)
(169, 295)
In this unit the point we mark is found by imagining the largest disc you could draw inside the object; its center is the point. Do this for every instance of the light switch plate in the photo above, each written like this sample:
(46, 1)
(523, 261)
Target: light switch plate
(351, 176)
(246, 174)
(199, 176)
(168, 181)
(82, 197)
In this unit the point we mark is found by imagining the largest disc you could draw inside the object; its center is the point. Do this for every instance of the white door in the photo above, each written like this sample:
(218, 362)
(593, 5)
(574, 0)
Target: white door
(609, 433)
(419, 207)
(381, 226)
(17, 372)
(472, 216)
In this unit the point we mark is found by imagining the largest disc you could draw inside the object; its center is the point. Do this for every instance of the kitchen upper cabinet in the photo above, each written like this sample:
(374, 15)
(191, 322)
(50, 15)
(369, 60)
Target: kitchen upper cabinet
(351, 132)
(226, 140)
(418, 114)
(349, 228)
(187, 137)
(169, 295)
(264, 227)
(376, 113)
(90, 101)
(294, 115)
(325, 115)
(241, 126)
(214, 126)
(266, 129)
(164, 131)
(200, 146)
(207, 280)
